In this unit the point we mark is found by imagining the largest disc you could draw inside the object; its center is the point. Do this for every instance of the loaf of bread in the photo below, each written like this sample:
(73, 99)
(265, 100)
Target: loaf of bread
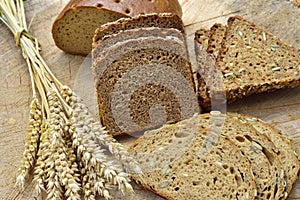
(143, 78)
(177, 151)
(250, 59)
(74, 27)
(179, 162)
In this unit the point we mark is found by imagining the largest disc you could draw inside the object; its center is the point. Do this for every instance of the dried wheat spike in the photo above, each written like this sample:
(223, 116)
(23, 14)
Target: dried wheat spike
(72, 178)
(31, 141)
(42, 156)
(91, 154)
(59, 162)
(98, 132)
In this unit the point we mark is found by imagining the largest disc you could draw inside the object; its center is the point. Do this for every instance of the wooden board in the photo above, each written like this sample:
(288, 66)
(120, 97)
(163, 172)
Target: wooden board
(281, 109)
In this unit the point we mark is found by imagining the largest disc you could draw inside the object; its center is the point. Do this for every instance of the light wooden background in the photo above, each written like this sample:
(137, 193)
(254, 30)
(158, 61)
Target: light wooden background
(282, 108)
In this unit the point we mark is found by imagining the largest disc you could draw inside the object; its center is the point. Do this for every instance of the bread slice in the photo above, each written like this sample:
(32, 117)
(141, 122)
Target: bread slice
(264, 162)
(160, 20)
(112, 41)
(283, 148)
(217, 34)
(209, 80)
(251, 60)
(143, 79)
(175, 167)
(202, 37)
(74, 27)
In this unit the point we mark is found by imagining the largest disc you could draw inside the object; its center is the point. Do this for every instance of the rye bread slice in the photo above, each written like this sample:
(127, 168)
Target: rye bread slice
(160, 73)
(175, 167)
(108, 42)
(160, 20)
(283, 146)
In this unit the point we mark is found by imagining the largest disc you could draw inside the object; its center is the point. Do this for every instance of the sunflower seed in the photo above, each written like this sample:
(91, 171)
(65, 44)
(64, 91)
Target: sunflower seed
(240, 33)
(264, 36)
(164, 184)
(274, 47)
(276, 68)
(258, 146)
(228, 74)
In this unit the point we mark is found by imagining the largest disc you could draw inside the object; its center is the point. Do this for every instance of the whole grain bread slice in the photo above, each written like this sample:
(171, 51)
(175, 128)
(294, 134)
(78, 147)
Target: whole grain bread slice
(216, 36)
(251, 60)
(283, 146)
(175, 167)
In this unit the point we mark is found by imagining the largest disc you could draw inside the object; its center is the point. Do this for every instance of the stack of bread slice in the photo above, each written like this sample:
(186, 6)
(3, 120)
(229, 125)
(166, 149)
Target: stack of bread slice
(250, 59)
(216, 156)
(142, 73)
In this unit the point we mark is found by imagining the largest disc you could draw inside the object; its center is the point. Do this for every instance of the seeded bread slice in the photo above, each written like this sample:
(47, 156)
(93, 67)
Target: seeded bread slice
(283, 148)
(251, 60)
(217, 34)
(143, 78)
(175, 167)
(202, 37)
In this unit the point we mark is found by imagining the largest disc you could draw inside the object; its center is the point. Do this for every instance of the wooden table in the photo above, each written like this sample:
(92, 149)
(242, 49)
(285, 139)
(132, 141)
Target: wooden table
(281, 108)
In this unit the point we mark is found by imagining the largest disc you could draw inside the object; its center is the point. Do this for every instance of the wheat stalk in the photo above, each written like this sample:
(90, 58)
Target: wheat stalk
(64, 144)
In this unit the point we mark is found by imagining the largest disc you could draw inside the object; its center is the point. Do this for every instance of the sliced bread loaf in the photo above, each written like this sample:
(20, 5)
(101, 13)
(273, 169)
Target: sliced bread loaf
(174, 167)
(283, 148)
(143, 79)
(251, 60)
(74, 27)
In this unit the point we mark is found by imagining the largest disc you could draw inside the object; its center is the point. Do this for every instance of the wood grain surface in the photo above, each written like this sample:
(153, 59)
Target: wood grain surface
(281, 108)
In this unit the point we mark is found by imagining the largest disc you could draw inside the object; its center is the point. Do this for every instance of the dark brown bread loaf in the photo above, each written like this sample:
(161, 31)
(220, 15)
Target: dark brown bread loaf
(178, 164)
(251, 60)
(143, 79)
(74, 27)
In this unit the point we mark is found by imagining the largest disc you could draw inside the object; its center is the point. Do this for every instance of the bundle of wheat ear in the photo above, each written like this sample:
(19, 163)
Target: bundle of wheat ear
(64, 146)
